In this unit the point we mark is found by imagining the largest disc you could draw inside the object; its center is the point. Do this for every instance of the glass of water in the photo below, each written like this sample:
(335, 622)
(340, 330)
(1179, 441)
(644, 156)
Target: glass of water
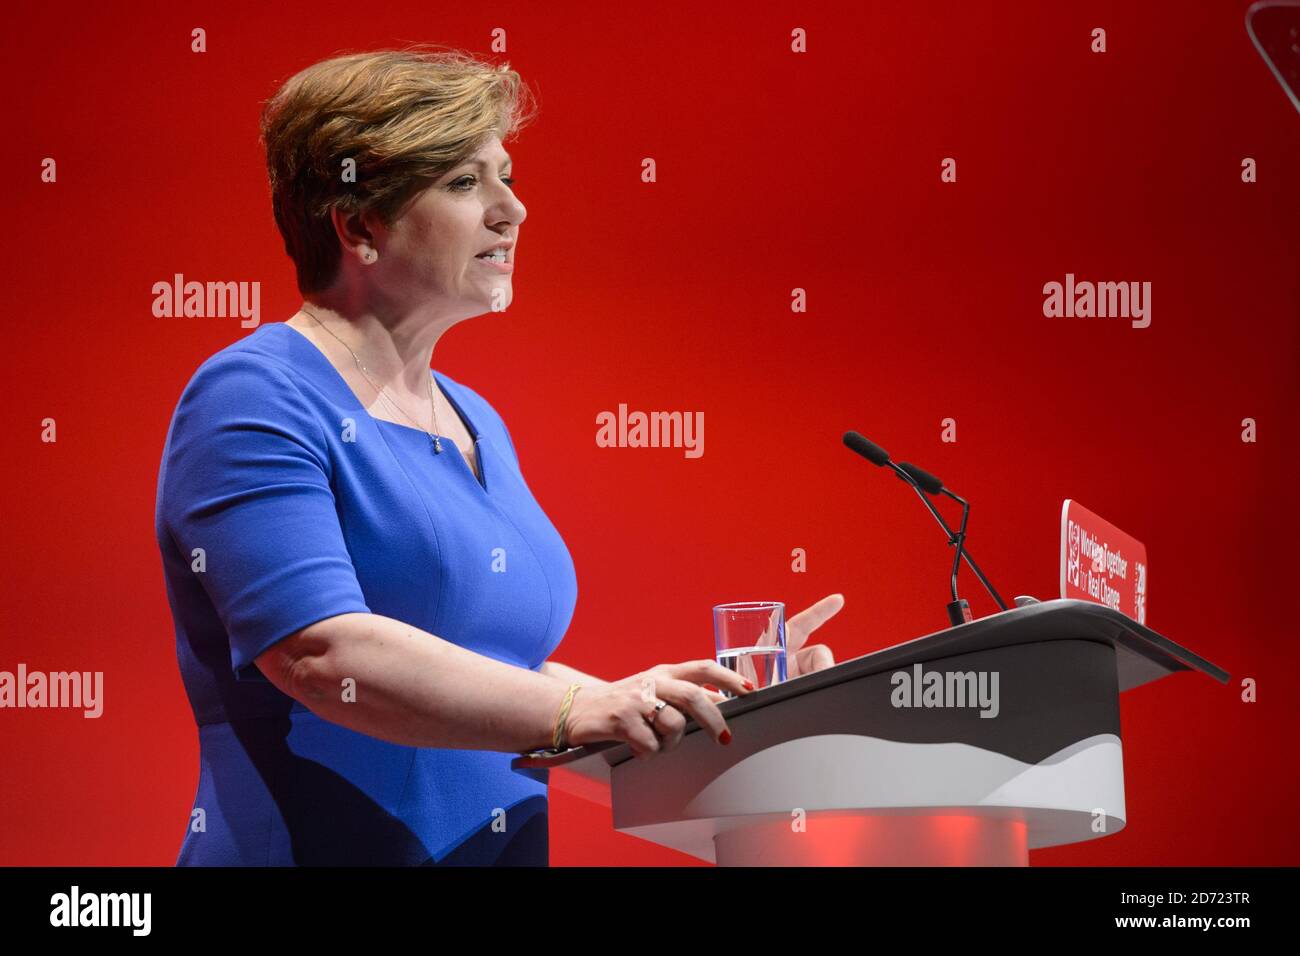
(749, 638)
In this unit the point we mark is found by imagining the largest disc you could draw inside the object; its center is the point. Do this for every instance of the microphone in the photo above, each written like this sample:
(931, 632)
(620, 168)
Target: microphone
(923, 479)
(867, 449)
(924, 483)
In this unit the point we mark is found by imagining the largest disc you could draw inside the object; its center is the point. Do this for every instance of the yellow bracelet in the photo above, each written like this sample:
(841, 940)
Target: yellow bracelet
(557, 738)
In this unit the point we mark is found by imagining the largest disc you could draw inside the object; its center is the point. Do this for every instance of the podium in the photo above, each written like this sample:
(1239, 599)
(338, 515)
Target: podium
(1015, 745)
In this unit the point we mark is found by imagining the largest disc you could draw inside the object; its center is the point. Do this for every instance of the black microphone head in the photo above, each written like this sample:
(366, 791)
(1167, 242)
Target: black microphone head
(867, 449)
(924, 480)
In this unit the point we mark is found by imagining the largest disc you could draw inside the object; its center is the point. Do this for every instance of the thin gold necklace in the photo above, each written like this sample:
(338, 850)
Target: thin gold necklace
(437, 443)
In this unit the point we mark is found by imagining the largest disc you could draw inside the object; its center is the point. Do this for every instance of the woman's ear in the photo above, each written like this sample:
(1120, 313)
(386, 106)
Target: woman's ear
(354, 231)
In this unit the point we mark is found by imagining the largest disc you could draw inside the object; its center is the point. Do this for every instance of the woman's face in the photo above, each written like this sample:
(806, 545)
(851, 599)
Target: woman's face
(434, 252)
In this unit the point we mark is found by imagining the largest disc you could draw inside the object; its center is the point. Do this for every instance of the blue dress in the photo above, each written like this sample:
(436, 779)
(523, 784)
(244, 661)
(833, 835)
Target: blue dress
(282, 501)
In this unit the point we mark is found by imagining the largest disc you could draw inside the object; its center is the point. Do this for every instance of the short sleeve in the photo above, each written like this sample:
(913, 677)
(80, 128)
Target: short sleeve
(246, 478)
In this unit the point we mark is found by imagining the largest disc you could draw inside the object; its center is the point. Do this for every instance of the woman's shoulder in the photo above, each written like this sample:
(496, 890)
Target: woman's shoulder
(267, 346)
(265, 364)
(254, 379)
(476, 406)
(468, 396)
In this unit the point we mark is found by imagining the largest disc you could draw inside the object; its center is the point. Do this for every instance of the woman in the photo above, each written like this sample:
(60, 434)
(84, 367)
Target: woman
(365, 592)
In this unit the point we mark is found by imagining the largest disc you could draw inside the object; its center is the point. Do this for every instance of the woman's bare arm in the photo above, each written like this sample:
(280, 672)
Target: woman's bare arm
(570, 675)
(387, 679)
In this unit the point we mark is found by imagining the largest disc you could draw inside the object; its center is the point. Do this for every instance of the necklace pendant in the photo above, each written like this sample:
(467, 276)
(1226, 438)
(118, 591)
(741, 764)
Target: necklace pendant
(437, 445)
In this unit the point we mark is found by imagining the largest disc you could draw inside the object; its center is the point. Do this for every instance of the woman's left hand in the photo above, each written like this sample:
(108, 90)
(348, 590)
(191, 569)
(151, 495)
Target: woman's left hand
(804, 660)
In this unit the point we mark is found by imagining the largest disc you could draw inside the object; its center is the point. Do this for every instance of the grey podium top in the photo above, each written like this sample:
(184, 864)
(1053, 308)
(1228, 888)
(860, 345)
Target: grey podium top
(1141, 656)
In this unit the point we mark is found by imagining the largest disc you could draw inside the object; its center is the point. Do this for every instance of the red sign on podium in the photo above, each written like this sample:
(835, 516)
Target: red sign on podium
(1101, 563)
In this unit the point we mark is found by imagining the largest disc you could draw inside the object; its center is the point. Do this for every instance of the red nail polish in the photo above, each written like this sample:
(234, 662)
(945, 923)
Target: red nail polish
(749, 684)
(725, 737)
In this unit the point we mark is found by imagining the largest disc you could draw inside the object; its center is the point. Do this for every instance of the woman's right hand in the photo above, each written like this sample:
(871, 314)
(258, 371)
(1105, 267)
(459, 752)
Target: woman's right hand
(621, 710)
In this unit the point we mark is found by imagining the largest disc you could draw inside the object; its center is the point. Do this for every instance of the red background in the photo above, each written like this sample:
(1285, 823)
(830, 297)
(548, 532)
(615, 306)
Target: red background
(775, 171)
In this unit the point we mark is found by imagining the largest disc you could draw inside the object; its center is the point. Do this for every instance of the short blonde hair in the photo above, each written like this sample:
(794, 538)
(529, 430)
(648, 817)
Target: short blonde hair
(406, 117)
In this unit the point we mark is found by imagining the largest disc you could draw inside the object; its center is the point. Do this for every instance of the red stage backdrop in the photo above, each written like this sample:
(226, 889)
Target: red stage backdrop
(776, 171)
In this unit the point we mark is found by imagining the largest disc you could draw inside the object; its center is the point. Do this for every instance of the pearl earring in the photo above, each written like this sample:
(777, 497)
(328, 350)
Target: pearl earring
(368, 255)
